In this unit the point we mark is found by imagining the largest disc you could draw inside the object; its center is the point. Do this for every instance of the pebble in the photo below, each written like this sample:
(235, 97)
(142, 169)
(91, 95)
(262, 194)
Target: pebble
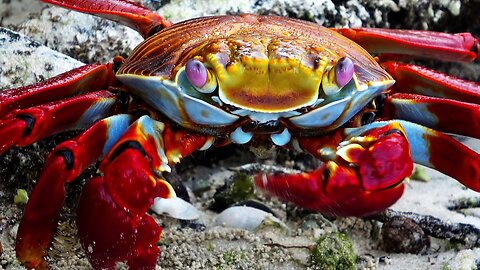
(403, 235)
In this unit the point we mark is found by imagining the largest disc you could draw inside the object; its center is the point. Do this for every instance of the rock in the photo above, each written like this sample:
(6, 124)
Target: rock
(24, 61)
(465, 259)
(245, 217)
(403, 235)
(238, 188)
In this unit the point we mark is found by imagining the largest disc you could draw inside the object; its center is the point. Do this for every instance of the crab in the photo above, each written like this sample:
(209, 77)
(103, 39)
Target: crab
(247, 79)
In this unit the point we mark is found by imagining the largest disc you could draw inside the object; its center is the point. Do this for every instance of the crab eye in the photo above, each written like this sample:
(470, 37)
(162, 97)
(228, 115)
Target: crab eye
(343, 71)
(338, 76)
(200, 77)
(196, 73)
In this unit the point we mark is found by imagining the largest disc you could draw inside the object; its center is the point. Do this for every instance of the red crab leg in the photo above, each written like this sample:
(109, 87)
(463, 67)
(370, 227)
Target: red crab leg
(434, 99)
(63, 165)
(26, 126)
(438, 113)
(112, 221)
(362, 174)
(74, 82)
(444, 154)
(425, 44)
(128, 13)
(423, 81)
(440, 152)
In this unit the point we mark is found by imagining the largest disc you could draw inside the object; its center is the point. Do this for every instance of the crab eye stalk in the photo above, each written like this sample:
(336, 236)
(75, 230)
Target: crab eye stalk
(200, 77)
(338, 76)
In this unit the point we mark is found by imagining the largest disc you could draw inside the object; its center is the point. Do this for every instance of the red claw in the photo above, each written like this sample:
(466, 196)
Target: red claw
(112, 222)
(362, 180)
(343, 197)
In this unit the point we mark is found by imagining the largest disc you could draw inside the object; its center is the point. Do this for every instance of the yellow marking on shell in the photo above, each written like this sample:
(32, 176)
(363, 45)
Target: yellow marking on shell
(259, 83)
(214, 62)
(329, 85)
(322, 66)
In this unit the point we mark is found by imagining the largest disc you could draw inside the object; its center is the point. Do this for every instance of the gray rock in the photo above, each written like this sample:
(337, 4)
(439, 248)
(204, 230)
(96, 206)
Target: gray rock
(24, 61)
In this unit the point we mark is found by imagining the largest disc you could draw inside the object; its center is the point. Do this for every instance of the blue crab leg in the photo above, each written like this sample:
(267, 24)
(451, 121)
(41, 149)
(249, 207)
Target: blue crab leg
(25, 126)
(128, 13)
(438, 151)
(438, 113)
(66, 162)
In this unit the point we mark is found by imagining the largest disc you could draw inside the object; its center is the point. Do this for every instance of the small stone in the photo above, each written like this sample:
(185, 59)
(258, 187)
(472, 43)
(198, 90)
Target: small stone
(454, 7)
(385, 260)
(403, 235)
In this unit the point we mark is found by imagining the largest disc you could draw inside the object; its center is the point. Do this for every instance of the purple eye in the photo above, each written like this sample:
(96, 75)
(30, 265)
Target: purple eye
(196, 73)
(343, 71)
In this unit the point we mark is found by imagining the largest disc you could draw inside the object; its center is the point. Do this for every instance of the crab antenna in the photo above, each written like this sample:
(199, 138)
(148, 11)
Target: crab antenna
(139, 18)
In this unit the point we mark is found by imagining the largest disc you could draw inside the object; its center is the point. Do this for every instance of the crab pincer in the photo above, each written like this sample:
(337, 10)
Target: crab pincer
(361, 174)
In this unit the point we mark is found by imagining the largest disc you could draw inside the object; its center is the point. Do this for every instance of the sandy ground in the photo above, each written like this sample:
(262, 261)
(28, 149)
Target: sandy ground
(205, 246)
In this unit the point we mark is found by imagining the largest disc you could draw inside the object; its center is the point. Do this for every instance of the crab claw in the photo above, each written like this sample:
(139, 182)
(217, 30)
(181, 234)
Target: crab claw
(364, 175)
(112, 222)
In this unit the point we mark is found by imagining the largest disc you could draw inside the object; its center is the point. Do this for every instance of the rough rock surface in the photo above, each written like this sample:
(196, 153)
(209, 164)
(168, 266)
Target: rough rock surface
(87, 39)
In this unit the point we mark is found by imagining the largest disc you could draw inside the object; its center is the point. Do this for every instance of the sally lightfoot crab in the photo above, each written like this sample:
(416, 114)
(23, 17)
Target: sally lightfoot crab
(212, 81)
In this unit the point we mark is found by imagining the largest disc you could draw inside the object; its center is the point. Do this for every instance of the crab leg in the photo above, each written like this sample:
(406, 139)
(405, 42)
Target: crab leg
(63, 165)
(442, 114)
(25, 126)
(363, 173)
(423, 81)
(444, 154)
(461, 47)
(74, 82)
(440, 152)
(128, 13)
(112, 222)
(433, 99)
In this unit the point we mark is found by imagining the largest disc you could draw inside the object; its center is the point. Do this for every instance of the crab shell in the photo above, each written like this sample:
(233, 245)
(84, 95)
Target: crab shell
(266, 74)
